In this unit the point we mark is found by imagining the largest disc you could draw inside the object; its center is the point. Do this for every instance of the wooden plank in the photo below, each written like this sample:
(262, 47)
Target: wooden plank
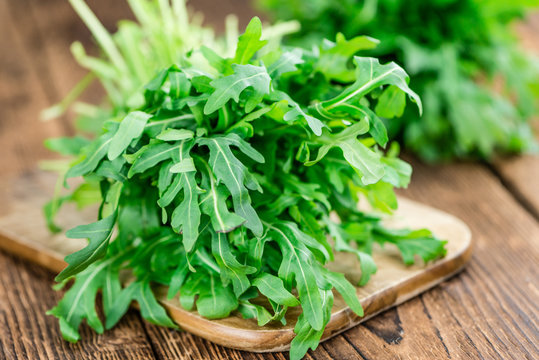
(27, 333)
(521, 175)
(491, 309)
(393, 284)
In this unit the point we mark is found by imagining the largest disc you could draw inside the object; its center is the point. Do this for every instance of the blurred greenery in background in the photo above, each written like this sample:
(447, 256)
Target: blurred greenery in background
(480, 90)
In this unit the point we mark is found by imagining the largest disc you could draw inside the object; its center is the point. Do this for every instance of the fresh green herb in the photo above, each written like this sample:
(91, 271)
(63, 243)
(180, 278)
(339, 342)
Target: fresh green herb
(480, 90)
(220, 186)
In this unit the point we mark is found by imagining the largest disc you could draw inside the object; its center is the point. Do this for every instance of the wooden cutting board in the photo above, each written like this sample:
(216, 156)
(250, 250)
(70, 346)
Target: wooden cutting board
(23, 233)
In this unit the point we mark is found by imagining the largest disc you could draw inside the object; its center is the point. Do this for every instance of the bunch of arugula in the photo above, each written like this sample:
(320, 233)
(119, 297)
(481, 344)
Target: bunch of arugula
(209, 188)
(479, 89)
(159, 36)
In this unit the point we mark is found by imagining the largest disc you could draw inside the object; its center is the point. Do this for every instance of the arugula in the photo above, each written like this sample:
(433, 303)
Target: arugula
(209, 187)
(456, 50)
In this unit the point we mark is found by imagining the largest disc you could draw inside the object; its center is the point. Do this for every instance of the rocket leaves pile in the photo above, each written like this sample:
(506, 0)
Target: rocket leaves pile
(221, 183)
(479, 88)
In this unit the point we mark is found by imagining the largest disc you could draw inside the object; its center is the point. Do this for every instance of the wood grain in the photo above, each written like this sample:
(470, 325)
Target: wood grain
(393, 283)
(521, 176)
(25, 296)
(487, 312)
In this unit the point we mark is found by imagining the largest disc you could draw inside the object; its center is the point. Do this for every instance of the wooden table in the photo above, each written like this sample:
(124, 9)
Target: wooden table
(489, 311)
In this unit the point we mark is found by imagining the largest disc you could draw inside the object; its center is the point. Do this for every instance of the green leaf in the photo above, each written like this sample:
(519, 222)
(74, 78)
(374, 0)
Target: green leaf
(67, 145)
(413, 242)
(178, 278)
(150, 309)
(191, 288)
(381, 196)
(285, 63)
(186, 217)
(98, 235)
(214, 205)
(249, 43)
(78, 302)
(347, 290)
(216, 301)
(150, 156)
(371, 74)
(231, 86)
(297, 113)
(175, 135)
(95, 152)
(216, 61)
(365, 161)
(273, 288)
(391, 103)
(306, 336)
(249, 310)
(366, 262)
(131, 127)
(231, 269)
(333, 62)
(397, 172)
(296, 264)
(234, 174)
(377, 129)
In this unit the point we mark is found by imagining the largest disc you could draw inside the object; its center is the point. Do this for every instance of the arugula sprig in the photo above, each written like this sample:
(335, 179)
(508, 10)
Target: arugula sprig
(478, 86)
(214, 190)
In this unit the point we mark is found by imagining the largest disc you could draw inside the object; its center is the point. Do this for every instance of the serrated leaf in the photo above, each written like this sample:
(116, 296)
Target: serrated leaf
(370, 74)
(231, 269)
(186, 217)
(150, 309)
(273, 288)
(150, 156)
(214, 205)
(94, 154)
(365, 161)
(234, 174)
(131, 127)
(296, 264)
(286, 63)
(366, 262)
(333, 62)
(249, 310)
(231, 86)
(98, 235)
(412, 242)
(377, 129)
(296, 112)
(78, 302)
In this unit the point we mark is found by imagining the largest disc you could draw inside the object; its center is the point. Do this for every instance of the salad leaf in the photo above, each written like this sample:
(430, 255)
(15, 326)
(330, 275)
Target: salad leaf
(477, 84)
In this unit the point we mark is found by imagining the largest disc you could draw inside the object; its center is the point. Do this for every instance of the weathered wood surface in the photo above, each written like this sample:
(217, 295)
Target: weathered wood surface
(489, 311)
(521, 173)
(393, 284)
